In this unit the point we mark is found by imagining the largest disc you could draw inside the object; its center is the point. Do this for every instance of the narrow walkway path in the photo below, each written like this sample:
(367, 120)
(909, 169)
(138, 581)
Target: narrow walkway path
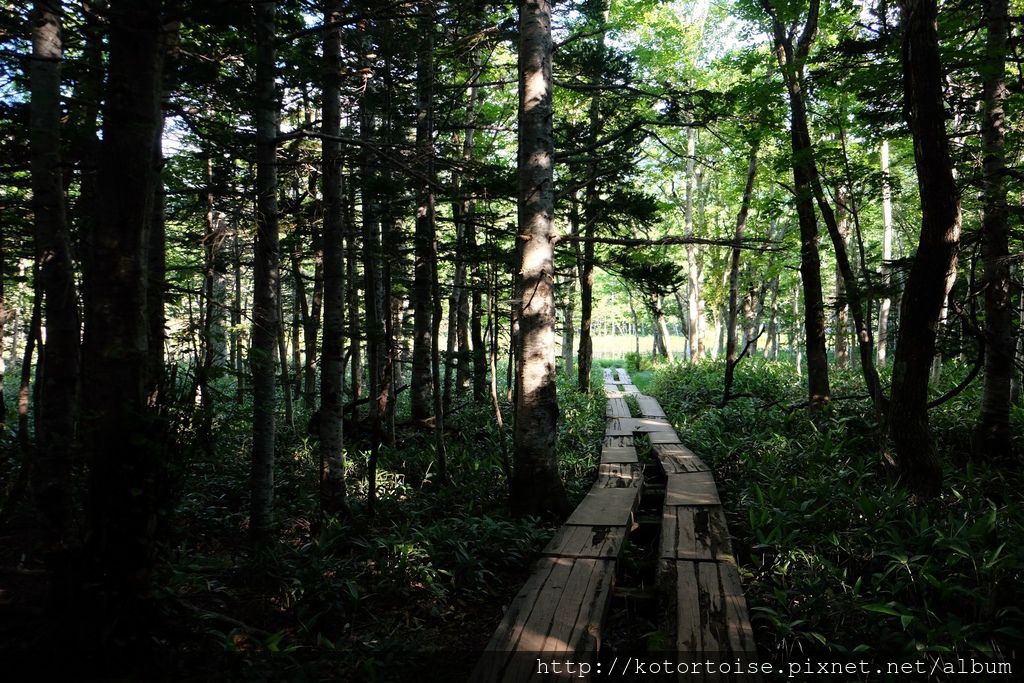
(561, 608)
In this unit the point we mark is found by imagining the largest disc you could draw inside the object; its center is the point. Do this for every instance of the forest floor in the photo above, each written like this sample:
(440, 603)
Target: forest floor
(425, 579)
(836, 557)
(833, 555)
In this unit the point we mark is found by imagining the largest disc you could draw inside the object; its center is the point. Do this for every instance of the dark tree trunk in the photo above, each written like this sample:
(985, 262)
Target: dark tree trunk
(309, 307)
(333, 498)
(935, 262)
(355, 352)
(266, 278)
(841, 307)
(125, 455)
(992, 436)
(156, 256)
(661, 341)
(731, 356)
(536, 486)
(886, 304)
(58, 379)
(422, 343)
(791, 59)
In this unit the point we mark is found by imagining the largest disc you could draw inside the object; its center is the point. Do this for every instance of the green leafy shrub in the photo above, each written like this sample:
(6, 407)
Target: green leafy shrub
(834, 554)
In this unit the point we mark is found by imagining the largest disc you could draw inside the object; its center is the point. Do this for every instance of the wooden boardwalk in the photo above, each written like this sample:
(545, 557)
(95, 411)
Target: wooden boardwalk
(561, 608)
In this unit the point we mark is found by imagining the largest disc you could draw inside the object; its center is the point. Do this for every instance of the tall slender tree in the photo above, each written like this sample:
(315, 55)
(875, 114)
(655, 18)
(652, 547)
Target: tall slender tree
(935, 261)
(792, 58)
(59, 355)
(332, 457)
(266, 275)
(536, 487)
(992, 437)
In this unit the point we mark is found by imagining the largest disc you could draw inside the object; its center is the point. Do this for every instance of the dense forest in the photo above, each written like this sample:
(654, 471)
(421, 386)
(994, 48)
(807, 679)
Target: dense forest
(305, 308)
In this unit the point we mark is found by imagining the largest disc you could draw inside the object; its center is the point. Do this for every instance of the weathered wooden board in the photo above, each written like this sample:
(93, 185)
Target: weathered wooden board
(711, 610)
(616, 441)
(681, 464)
(649, 407)
(612, 454)
(695, 533)
(626, 426)
(608, 379)
(612, 391)
(619, 475)
(506, 637)
(605, 507)
(601, 542)
(664, 437)
(630, 389)
(676, 458)
(617, 407)
(691, 488)
(566, 618)
(623, 376)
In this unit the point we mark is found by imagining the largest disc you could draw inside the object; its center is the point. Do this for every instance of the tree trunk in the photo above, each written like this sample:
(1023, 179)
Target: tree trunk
(992, 436)
(1017, 389)
(791, 59)
(662, 345)
(282, 355)
(266, 277)
(591, 208)
(422, 380)
(236, 320)
(464, 209)
(124, 449)
(926, 287)
(731, 355)
(771, 347)
(693, 273)
(841, 307)
(55, 422)
(883, 309)
(355, 353)
(309, 308)
(536, 486)
(156, 264)
(333, 496)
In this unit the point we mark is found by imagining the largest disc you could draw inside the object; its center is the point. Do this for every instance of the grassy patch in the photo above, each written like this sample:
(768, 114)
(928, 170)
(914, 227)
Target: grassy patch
(835, 555)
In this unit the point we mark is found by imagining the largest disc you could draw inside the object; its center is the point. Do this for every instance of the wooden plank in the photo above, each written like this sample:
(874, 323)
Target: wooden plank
(676, 458)
(577, 623)
(587, 541)
(689, 636)
(605, 507)
(691, 488)
(616, 441)
(630, 389)
(619, 476)
(612, 454)
(740, 633)
(619, 426)
(617, 407)
(674, 450)
(682, 464)
(695, 533)
(533, 630)
(623, 376)
(506, 637)
(612, 391)
(649, 407)
(608, 379)
(640, 424)
(663, 437)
